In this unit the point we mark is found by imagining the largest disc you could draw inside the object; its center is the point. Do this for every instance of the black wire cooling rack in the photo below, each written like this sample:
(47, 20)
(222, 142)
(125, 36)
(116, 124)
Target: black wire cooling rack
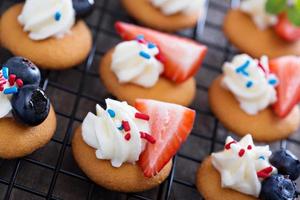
(51, 172)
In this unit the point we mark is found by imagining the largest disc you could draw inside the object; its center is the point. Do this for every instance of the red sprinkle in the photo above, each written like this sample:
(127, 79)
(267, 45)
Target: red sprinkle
(227, 146)
(249, 147)
(142, 116)
(126, 125)
(160, 57)
(262, 67)
(19, 82)
(1, 88)
(242, 152)
(142, 41)
(12, 79)
(2, 81)
(127, 136)
(147, 137)
(264, 173)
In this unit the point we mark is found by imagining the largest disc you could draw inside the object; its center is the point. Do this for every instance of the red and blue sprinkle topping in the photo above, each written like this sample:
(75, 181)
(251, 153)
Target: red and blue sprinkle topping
(13, 81)
(264, 173)
(125, 126)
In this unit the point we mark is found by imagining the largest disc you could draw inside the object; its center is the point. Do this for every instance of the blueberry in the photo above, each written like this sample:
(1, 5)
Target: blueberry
(30, 105)
(83, 7)
(286, 163)
(24, 69)
(278, 187)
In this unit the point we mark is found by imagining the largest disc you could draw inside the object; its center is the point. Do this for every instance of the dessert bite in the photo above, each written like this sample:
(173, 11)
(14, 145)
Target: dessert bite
(130, 149)
(258, 94)
(149, 64)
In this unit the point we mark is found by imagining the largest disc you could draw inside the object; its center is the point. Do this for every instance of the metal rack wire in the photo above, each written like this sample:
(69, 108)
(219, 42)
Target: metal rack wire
(51, 173)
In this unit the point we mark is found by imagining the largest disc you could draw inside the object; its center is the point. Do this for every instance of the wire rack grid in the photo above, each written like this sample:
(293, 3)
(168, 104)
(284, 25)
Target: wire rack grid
(51, 172)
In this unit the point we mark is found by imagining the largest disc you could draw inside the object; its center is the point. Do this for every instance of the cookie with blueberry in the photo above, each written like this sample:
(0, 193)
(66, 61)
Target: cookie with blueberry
(27, 119)
(243, 171)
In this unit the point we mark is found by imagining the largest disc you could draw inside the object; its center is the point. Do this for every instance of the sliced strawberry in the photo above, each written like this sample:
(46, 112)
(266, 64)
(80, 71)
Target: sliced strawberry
(287, 69)
(182, 57)
(286, 30)
(170, 124)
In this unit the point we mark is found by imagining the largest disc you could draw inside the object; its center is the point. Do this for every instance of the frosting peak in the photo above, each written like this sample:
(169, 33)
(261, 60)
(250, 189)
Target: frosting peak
(134, 61)
(170, 7)
(115, 133)
(251, 82)
(243, 165)
(47, 18)
(256, 9)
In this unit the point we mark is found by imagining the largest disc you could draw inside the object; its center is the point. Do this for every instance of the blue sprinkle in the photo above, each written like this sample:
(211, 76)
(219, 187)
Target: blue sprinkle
(242, 68)
(261, 157)
(5, 72)
(57, 16)
(140, 37)
(11, 90)
(272, 81)
(111, 113)
(249, 84)
(120, 128)
(151, 45)
(145, 55)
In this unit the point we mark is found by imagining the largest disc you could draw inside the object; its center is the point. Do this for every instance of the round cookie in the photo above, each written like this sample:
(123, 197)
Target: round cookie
(265, 126)
(164, 90)
(51, 53)
(145, 13)
(243, 33)
(208, 182)
(127, 178)
(17, 140)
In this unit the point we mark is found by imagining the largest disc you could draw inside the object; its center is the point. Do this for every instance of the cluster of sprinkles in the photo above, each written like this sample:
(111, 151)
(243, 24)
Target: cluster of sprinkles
(125, 126)
(264, 173)
(13, 81)
(272, 79)
(150, 45)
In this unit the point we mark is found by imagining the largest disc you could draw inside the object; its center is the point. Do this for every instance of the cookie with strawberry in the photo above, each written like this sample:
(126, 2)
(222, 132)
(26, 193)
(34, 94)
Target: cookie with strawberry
(243, 171)
(151, 64)
(130, 149)
(265, 27)
(258, 96)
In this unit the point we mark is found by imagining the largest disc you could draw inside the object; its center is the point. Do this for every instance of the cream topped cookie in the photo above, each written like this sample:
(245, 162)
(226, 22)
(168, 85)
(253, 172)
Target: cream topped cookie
(251, 82)
(116, 132)
(243, 165)
(47, 18)
(256, 9)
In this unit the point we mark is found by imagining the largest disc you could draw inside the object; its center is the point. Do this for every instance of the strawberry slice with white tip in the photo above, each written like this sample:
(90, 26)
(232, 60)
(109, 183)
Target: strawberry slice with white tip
(170, 125)
(181, 57)
(287, 69)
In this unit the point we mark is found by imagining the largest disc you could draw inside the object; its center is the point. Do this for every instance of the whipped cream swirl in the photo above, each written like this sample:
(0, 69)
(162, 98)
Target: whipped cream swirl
(256, 9)
(251, 82)
(243, 166)
(108, 132)
(47, 18)
(170, 7)
(135, 62)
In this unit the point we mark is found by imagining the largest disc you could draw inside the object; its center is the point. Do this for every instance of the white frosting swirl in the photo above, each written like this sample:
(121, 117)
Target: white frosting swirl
(239, 171)
(102, 133)
(256, 9)
(135, 62)
(252, 87)
(170, 7)
(47, 18)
